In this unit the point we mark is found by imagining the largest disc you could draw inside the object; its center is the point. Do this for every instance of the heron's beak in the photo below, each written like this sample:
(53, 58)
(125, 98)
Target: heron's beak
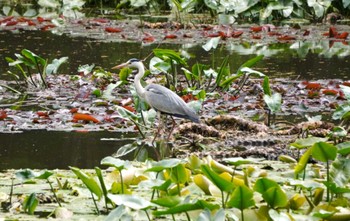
(120, 66)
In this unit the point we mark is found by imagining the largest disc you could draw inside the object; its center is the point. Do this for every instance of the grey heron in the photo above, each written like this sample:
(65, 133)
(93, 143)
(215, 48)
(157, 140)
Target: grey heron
(160, 98)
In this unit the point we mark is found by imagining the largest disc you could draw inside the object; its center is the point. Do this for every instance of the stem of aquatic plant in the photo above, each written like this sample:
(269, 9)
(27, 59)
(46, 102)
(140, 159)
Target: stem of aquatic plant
(149, 218)
(172, 215)
(93, 199)
(242, 215)
(30, 77)
(328, 180)
(178, 189)
(138, 128)
(41, 73)
(121, 181)
(233, 174)
(223, 199)
(188, 216)
(11, 191)
(54, 193)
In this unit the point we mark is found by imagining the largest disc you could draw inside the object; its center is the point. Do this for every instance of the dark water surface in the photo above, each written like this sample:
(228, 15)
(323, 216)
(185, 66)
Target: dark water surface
(57, 149)
(285, 62)
(49, 149)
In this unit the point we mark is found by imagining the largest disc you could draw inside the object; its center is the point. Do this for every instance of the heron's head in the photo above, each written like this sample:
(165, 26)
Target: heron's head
(132, 63)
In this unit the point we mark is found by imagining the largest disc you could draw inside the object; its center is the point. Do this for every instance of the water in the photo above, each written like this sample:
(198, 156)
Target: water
(284, 62)
(56, 149)
(43, 149)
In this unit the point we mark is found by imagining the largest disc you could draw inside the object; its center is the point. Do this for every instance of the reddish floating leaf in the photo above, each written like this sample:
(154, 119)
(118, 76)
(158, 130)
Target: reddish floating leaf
(332, 32)
(113, 30)
(256, 36)
(31, 23)
(237, 34)
(74, 110)
(286, 38)
(187, 35)
(129, 108)
(256, 28)
(100, 20)
(313, 86)
(3, 115)
(42, 114)
(274, 33)
(148, 38)
(306, 33)
(11, 23)
(84, 117)
(331, 92)
(47, 27)
(346, 83)
(170, 36)
(313, 94)
(343, 35)
(6, 19)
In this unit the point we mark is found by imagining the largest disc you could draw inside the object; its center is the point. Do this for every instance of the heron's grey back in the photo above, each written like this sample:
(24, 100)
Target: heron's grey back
(166, 101)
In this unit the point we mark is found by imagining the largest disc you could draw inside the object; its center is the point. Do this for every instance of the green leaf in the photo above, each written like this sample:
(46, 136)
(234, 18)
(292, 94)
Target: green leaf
(341, 112)
(346, 91)
(30, 203)
(102, 183)
(185, 207)
(323, 151)
(241, 198)
(340, 171)
(266, 86)
(169, 54)
(223, 71)
(56, 63)
(344, 148)
(178, 174)
(126, 114)
(164, 164)
(25, 174)
(263, 184)
(275, 197)
(273, 102)
(307, 142)
(126, 149)
(114, 162)
(118, 214)
(237, 161)
(249, 63)
(167, 201)
(124, 74)
(211, 43)
(89, 181)
(252, 72)
(220, 182)
(302, 161)
(44, 175)
(132, 201)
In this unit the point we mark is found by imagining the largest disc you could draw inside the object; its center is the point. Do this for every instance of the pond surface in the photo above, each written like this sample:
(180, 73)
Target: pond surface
(310, 60)
(57, 149)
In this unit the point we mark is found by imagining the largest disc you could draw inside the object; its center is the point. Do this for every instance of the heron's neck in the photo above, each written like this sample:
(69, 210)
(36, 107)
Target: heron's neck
(137, 82)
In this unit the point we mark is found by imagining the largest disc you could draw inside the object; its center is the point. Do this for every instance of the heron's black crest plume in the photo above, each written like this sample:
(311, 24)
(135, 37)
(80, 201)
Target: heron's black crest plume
(132, 60)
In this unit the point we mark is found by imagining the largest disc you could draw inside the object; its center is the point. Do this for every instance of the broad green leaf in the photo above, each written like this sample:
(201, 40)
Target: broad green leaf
(279, 215)
(185, 207)
(164, 164)
(56, 63)
(344, 148)
(44, 175)
(118, 214)
(303, 161)
(323, 151)
(341, 112)
(102, 182)
(162, 67)
(206, 215)
(169, 54)
(126, 149)
(275, 197)
(346, 91)
(297, 201)
(211, 43)
(25, 174)
(340, 171)
(241, 198)
(30, 203)
(249, 63)
(220, 182)
(266, 86)
(107, 93)
(133, 201)
(252, 72)
(307, 142)
(126, 114)
(167, 201)
(89, 181)
(178, 174)
(114, 162)
(338, 131)
(273, 102)
(263, 184)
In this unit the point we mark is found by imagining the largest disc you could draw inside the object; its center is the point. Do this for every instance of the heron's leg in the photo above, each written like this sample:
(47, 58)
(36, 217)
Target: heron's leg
(159, 126)
(172, 128)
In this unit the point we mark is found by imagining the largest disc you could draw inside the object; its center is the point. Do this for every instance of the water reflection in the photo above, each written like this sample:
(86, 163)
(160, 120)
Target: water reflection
(298, 60)
(55, 149)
